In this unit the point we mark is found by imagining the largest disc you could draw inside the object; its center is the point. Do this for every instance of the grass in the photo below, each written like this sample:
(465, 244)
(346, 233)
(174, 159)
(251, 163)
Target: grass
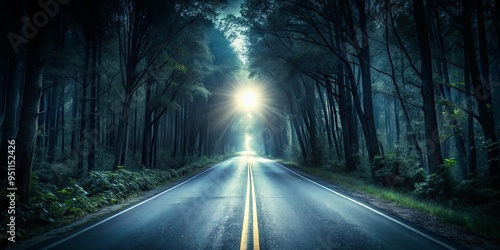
(471, 218)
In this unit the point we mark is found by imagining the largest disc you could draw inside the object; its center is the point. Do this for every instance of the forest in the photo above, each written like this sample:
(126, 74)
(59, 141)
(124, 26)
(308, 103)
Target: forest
(389, 86)
(101, 99)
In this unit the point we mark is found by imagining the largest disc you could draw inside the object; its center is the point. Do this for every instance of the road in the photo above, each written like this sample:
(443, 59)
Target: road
(250, 202)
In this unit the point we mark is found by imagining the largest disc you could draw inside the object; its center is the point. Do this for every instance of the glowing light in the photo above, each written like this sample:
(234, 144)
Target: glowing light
(248, 142)
(248, 100)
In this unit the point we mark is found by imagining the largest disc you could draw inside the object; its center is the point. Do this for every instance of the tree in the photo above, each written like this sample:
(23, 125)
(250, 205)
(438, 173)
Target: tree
(28, 123)
(434, 157)
(482, 96)
(13, 83)
(139, 48)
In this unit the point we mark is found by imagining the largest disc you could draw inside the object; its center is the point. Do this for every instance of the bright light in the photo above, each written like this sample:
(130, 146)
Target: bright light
(248, 142)
(248, 100)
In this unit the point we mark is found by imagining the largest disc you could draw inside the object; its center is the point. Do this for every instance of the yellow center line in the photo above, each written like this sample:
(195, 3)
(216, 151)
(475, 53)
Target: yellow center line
(254, 212)
(244, 231)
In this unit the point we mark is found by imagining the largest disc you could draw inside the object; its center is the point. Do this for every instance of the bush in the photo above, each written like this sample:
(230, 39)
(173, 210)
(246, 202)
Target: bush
(123, 183)
(392, 171)
(475, 192)
(435, 185)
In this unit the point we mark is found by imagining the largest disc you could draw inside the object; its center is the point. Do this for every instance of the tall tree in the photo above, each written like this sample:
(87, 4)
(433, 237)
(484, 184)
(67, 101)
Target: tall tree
(140, 47)
(481, 95)
(28, 124)
(13, 81)
(364, 64)
(434, 157)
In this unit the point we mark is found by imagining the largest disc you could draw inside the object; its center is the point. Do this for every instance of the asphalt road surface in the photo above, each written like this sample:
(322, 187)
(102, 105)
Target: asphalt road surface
(249, 202)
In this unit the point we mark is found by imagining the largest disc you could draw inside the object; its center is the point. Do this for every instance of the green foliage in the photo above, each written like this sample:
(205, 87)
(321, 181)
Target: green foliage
(449, 163)
(474, 192)
(392, 170)
(459, 85)
(117, 185)
(436, 185)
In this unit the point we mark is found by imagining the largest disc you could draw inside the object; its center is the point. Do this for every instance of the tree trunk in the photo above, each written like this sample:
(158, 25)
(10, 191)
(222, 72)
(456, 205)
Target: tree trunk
(93, 133)
(434, 157)
(61, 129)
(80, 153)
(325, 115)
(120, 146)
(345, 120)
(75, 118)
(481, 95)
(311, 124)
(26, 137)
(154, 143)
(396, 120)
(470, 121)
(295, 124)
(364, 63)
(53, 116)
(146, 133)
(176, 134)
(11, 114)
(483, 56)
(335, 125)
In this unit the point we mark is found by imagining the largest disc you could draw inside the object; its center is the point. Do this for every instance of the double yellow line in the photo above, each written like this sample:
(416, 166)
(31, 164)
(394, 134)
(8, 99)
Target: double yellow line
(244, 232)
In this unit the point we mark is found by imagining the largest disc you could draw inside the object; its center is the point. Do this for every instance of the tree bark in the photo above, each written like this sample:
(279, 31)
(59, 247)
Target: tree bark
(93, 133)
(146, 133)
(364, 64)
(345, 120)
(120, 146)
(11, 114)
(75, 118)
(53, 117)
(62, 124)
(472, 154)
(28, 124)
(481, 95)
(80, 152)
(434, 157)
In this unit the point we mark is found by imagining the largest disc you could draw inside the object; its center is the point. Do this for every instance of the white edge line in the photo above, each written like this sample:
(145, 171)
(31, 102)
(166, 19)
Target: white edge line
(126, 210)
(374, 210)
